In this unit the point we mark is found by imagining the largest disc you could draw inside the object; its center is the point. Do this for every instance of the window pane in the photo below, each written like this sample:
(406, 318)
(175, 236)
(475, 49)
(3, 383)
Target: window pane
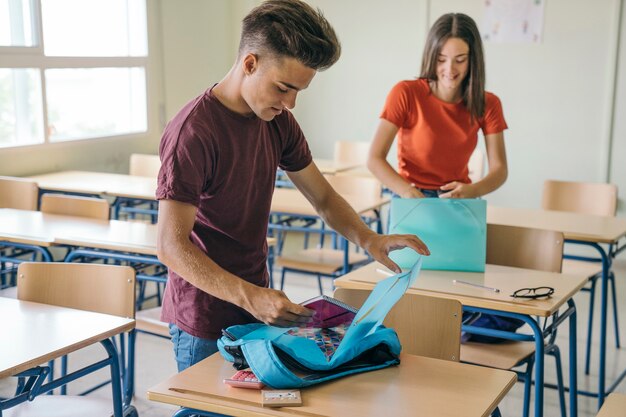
(95, 102)
(16, 23)
(21, 115)
(94, 27)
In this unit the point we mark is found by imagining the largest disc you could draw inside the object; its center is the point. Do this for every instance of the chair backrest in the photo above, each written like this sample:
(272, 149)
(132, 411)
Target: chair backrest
(355, 185)
(108, 289)
(347, 152)
(427, 326)
(476, 165)
(71, 205)
(18, 193)
(523, 247)
(580, 197)
(144, 165)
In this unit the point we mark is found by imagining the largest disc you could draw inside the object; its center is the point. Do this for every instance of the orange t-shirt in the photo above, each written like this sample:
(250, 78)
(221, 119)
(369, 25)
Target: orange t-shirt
(435, 138)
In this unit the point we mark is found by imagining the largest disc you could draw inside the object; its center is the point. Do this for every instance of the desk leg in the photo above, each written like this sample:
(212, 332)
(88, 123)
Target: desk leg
(603, 313)
(539, 366)
(573, 370)
(604, 287)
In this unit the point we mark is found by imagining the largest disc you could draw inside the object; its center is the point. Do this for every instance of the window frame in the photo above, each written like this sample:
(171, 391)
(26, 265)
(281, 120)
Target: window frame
(33, 57)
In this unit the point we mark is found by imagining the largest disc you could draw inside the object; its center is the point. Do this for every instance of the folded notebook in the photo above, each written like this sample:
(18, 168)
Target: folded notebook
(329, 312)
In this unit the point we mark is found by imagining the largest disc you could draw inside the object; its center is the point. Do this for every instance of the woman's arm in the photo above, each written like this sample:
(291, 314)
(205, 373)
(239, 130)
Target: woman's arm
(378, 165)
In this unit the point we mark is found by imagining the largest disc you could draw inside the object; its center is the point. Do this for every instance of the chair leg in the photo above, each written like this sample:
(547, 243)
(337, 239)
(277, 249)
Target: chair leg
(496, 413)
(319, 284)
(592, 297)
(282, 279)
(615, 315)
(555, 351)
(528, 378)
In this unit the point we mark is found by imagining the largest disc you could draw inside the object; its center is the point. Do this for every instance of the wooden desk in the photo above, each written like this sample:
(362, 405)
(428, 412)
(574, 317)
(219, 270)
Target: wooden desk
(43, 229)
(292, 201)
(331, 167)
(508, 280)
(99, 183)
(588, 230)
(39, 333)
(419, 386)
(575, 226)
(614, 406)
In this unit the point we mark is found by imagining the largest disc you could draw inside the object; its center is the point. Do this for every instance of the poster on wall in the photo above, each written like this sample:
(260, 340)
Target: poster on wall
(513, 21)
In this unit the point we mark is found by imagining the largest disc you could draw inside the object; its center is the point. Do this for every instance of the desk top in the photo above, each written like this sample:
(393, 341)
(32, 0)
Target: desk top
(575, 226)
(292, 201)
(35, 333)
(101, 183)
(613, 406)
(506, 279)
(419, 386)
(44, 229)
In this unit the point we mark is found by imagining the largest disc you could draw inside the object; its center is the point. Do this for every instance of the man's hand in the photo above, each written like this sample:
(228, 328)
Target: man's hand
(458, 190)
(379, 247)
(274, 308)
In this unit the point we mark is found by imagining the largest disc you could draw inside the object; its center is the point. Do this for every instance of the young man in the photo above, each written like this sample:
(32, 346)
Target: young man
(219, 158)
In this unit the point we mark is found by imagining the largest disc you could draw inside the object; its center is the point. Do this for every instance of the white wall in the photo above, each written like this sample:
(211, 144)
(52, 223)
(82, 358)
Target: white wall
(556, 95)
(618, 154)
(197, 47)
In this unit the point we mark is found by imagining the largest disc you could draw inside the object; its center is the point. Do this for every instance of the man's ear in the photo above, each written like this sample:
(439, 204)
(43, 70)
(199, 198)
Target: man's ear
(250, 63)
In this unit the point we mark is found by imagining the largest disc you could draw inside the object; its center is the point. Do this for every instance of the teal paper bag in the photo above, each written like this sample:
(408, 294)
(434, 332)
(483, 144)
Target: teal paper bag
(453, 229)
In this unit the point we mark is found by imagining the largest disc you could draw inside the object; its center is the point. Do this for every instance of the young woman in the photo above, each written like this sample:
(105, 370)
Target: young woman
(437, 117)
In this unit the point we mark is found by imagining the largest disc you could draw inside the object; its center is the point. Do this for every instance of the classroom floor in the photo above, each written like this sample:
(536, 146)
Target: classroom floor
(155, 359)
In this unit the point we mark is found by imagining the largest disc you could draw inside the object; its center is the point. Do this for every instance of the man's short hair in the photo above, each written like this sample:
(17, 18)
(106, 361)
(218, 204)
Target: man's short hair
(293, 29)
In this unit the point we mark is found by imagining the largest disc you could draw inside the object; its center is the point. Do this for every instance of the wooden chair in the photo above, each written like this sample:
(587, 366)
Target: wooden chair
(144, 165)
(107, 289)
(352, 153)
(18, 193)
(71, 205)
(15, 193)
(322, 261)
(598, 199)
(149, 321)
(426, 326)
(476, 165)
(522, 248)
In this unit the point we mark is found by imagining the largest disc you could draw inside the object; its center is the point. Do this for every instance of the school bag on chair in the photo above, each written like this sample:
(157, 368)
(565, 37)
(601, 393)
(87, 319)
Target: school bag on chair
(283, 358)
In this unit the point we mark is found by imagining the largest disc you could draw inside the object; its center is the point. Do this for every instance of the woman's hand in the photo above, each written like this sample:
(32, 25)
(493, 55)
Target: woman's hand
(458, 190)
(412, 192)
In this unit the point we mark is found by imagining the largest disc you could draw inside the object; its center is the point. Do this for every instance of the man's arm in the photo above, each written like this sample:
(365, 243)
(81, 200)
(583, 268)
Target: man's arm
(338, 214)
(177, 252)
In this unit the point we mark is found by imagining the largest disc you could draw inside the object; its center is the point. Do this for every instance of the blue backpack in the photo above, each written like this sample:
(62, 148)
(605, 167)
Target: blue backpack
(298, 357)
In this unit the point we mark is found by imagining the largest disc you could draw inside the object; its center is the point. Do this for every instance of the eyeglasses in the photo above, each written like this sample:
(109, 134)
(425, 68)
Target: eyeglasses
(532, 293)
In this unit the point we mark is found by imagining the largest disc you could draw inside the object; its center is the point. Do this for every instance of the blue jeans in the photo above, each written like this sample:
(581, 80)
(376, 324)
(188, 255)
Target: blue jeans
(427, 193)
(431, 193)
(189, 349)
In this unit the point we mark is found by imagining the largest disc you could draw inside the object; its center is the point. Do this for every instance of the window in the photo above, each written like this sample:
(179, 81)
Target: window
(71, 69)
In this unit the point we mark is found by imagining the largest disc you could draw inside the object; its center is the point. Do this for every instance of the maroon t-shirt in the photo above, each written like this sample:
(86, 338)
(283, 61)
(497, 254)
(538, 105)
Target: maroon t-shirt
(224, 164)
